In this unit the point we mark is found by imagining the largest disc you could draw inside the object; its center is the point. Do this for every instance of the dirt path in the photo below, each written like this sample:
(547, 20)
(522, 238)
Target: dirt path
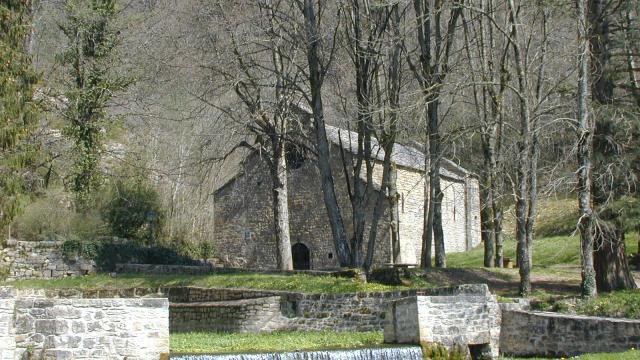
(504, 281)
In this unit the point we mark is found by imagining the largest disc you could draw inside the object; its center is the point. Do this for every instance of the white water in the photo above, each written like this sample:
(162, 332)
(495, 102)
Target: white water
(399, 353)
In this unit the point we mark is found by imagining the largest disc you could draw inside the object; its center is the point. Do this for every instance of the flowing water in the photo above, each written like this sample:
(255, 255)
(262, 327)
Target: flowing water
(397, 353)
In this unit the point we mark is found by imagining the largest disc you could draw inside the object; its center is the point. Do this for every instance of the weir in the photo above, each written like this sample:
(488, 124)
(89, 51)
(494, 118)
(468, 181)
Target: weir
(390, 353)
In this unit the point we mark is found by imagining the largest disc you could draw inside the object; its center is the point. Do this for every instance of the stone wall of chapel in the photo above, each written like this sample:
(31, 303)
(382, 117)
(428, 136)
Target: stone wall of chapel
(460, 212)
(244, 217)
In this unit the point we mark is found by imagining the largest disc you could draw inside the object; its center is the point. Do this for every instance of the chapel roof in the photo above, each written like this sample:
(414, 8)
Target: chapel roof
(402, 155)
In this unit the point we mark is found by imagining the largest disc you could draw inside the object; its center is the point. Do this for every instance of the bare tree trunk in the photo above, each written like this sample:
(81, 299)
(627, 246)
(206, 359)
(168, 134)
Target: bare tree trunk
(434, 66)
(427, 226)
(533, 195)
(387, 141)
(315, 81)
(631, 47)
(281, 208)
(435, 153)
(499, 240)
(378, 211)
(522, 190)
(488, 103)
(585, 144)
(394, 215)
(487, 218)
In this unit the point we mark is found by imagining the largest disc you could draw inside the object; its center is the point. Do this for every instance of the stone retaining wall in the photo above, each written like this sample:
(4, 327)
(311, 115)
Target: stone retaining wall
(254, 311)
(526, 333)
(365, 311)
(41, 259)
(251, 315)
(67, 328)
(163, 269)
(470, 320)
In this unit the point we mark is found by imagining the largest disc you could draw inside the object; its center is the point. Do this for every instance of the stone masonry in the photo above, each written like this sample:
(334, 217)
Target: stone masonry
(249, 315)
(7, 324)
(526, 333)
(40, 259)
(71, 328)
(244, 214)
(469, 319)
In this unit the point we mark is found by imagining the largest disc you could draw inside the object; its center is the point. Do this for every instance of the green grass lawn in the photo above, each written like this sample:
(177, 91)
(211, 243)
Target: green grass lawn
(549, 253)
(555, 257)
(296, 282)
(208, 342)
(627, 355)
(283, 341)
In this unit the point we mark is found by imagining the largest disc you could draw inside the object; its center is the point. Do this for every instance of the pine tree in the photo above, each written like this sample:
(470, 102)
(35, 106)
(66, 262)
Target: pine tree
(88, 60)
(18, 109)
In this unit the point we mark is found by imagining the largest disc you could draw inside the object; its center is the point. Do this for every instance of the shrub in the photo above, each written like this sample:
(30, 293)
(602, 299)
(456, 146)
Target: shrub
(134, 211)
(107, 252)
(45, 218)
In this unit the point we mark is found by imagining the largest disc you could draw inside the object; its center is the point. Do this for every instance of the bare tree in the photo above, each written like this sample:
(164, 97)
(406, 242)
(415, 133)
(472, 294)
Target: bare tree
(266, 82)
(488, 62)
(316, 75)
(585, 144)
(430, 70)
(387, 133)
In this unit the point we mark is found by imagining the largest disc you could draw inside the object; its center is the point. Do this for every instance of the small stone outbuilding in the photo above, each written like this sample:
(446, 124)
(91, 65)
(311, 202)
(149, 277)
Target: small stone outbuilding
(244, 215)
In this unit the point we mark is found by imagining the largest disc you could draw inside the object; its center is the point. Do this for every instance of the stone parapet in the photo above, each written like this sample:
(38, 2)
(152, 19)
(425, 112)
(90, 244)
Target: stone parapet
(527, 333)
(451, 317)
(74, 328)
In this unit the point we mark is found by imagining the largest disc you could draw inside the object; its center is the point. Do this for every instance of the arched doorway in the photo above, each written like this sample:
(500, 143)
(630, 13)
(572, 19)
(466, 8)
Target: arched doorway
(301, 257)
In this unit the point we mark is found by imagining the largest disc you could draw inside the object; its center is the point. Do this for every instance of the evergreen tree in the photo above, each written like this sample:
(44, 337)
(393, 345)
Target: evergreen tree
(88, 60)
(18, 109)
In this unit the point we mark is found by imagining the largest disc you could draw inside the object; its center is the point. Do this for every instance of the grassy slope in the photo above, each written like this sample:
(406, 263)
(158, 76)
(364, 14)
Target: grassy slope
(297, 282)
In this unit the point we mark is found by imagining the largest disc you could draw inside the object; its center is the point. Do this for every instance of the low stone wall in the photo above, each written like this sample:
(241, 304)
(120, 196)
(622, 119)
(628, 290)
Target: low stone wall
(526, 333)
(365, 311)
(163, 269)
(336, 312)
(470, 320)
(67, 328)
(251, 315)
(41, 259)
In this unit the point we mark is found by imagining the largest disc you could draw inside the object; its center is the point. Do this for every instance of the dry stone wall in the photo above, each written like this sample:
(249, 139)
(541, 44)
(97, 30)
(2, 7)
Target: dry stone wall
(72, 328)
(163, 269)
(41, 259)
(526, 333)
(249, 315)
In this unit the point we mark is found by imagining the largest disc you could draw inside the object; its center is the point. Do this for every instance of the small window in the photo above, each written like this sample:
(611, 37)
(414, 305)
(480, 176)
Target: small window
(330, 255)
